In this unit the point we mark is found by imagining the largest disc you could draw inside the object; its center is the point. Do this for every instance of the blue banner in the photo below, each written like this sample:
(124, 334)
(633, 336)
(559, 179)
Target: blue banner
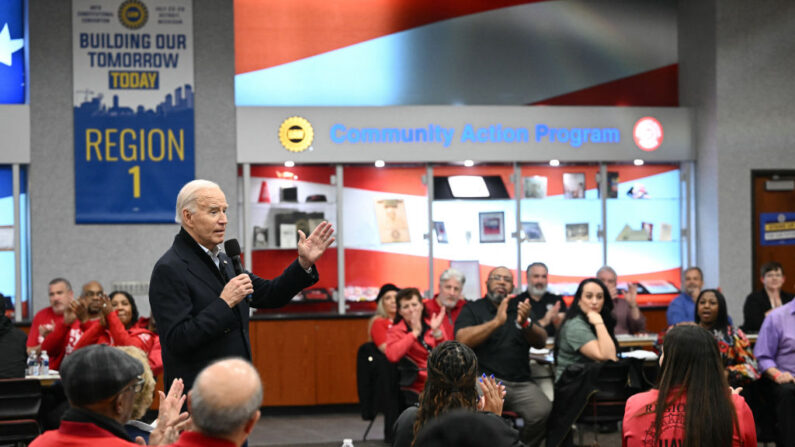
(134, 108)
(12, 52)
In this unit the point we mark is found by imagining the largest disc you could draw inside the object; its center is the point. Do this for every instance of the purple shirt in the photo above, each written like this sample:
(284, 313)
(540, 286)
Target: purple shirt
(625, 324)
(775, 346)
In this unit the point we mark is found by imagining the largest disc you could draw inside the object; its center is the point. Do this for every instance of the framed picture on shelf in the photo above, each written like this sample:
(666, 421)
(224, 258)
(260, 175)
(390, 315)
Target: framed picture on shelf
(492, 227)
(612, 185)
(577, 232)
(574, 185)
(441, 233)
(531, 232)
(535, 187)
(260, 240)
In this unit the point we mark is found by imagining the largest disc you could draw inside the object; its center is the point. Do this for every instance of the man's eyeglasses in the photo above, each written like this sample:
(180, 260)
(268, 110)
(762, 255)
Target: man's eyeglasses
(91, 293)
(501, 278)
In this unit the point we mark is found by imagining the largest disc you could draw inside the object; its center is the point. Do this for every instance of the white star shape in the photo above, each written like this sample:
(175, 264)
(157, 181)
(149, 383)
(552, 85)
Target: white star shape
(8, 46)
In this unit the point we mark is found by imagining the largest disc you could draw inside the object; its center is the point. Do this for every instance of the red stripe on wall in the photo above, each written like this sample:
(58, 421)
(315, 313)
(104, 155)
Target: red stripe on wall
(655, 88)
(270, 33)
(369, 268)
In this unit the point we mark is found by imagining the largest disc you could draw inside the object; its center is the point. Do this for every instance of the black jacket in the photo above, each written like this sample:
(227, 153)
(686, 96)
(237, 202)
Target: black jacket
(195, 325)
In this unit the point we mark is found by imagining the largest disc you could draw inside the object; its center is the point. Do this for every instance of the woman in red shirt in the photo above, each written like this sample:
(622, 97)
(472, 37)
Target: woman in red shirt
(385, 311)
(694, 405)
(413, 336)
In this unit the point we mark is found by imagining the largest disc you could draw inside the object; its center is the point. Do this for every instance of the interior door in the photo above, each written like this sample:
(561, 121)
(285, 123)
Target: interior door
(773, 207)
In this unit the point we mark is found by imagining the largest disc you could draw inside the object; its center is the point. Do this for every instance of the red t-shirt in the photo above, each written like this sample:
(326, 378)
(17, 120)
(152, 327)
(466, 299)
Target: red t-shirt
(379, 329)
(448, 323)
(638, 427)
(44, 316)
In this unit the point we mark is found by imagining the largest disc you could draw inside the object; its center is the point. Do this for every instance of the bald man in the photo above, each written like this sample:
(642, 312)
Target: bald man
(224, 404)
(78, 317)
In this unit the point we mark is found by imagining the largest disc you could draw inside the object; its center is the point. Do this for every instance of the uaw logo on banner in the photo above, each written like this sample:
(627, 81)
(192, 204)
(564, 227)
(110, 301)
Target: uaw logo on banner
(648, 134)
(296, 134)
(134, 108)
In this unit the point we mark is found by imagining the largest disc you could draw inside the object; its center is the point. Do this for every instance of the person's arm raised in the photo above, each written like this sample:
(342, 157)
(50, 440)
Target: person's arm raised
(473, 336)
(602, 348)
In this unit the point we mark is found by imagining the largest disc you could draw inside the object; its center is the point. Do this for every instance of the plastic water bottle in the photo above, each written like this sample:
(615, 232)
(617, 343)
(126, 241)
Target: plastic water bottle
(33, 366)
(44, 369)
(347, 442)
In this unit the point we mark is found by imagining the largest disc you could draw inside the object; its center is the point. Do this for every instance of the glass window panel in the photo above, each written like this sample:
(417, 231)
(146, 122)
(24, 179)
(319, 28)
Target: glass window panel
(385, 220)
(644, 226)
(474, 235)
(561, 215)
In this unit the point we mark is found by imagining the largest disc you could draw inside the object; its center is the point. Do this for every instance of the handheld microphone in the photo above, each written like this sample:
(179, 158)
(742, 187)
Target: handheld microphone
(232, 249)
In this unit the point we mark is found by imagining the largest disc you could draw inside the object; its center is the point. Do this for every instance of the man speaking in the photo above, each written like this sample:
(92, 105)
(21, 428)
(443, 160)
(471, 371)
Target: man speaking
(199, 303)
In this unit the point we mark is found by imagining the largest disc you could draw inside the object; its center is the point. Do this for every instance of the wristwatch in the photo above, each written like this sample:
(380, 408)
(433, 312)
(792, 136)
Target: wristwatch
(527, 323)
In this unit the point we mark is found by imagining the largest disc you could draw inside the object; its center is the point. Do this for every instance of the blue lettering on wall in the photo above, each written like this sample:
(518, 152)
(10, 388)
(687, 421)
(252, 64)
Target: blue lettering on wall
(577, 136)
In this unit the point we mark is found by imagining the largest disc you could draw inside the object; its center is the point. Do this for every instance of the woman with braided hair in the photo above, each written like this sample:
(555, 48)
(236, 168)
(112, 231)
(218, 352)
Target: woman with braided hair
(453, 385)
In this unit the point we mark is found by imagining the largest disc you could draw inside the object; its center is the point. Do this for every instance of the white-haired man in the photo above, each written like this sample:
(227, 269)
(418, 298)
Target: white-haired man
(199, 302)
(450, 296)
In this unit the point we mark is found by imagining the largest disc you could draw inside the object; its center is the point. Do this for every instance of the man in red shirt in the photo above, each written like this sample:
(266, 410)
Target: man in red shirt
(78, 317)
(450, 296)
(224, 405)
(60, 293)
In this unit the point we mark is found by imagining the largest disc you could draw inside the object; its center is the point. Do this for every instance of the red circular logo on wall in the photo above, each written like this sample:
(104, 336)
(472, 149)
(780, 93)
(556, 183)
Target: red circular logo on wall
(648, 133)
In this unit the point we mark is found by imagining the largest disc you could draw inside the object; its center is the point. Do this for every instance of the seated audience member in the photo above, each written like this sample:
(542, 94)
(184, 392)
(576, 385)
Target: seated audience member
(546, 309)
(12, 347)
(629, 319)
(693, 405)
(413, 336)
(760, 303)
(451, 385)
(385, 311)
(143, 399)
(587, 331)
(60, 294)
(78, 317)
(224, 405)
(101, 383)
(683, 308)
(734, 347)
(116, 328)
(497, 328)
(775, 351)
(450, 296)
(462, 428)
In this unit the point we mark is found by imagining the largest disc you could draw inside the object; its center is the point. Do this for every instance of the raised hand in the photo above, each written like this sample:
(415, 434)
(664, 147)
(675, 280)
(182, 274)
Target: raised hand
(69, 313)
(594, 318)
(522, 311)
(502, 311)
(312, 247)
(632, 295)
(80, 310)
(436, 319)
(493, 395)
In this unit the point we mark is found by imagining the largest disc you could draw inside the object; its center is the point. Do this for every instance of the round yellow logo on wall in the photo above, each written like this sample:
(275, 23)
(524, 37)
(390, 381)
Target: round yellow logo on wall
(296, 134)
(133, 14)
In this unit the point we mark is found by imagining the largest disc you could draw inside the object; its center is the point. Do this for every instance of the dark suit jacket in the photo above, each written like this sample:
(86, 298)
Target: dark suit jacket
(756, 304)
(195, 325)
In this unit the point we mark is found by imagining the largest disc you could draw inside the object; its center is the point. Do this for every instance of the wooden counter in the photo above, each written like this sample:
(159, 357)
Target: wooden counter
(308, 361)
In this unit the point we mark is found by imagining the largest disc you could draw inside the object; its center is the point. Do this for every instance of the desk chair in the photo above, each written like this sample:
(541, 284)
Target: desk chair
(606, 405)
(20, 400)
